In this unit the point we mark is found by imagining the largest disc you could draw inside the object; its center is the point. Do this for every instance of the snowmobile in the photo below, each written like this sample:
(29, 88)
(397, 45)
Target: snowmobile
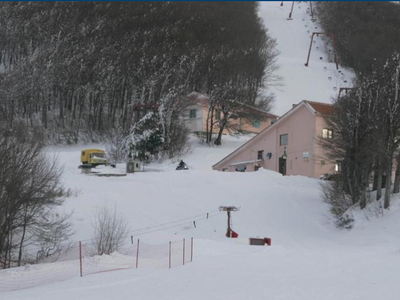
(182, 166)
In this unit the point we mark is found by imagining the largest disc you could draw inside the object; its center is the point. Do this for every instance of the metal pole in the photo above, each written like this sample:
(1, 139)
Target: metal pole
(183, 251)
(312, 12)
(169, 255)
(80, 258)
(291, 12)
(137, 254)
(334, 50)
(309, 50)
(228, 234)
(191, 250)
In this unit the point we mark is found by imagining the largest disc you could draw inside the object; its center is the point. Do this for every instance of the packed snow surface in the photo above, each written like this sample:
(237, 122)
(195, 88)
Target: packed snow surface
(309, 257)
(320, 81)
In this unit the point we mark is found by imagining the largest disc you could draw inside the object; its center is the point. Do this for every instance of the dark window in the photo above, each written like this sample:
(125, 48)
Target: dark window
(256, 123)
(327, 134)
(284, 139)
(241, 169)
(260, 154)
(192, 114)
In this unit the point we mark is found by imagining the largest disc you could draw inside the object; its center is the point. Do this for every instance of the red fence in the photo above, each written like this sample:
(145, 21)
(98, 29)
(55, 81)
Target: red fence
(82, 260)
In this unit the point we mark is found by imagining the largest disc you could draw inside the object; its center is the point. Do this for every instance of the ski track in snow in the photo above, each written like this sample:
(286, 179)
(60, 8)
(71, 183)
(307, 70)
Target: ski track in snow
(300, 82)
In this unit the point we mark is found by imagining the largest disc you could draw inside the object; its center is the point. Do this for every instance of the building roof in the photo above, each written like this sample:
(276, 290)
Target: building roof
(324, 109)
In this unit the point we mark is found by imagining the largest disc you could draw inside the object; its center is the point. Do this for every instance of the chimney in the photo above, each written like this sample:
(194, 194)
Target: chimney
(294, 105)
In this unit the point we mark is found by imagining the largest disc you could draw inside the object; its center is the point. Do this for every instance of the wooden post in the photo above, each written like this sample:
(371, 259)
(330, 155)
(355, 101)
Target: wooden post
(169, 255)
(132, 239)
(80, 258)
(137, 254)
(191, 250)
(183, 251)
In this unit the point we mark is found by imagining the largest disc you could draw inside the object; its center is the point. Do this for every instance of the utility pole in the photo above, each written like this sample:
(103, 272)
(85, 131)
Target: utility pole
(312, 13)
(331, 36)
(228, 210)
(291, 12)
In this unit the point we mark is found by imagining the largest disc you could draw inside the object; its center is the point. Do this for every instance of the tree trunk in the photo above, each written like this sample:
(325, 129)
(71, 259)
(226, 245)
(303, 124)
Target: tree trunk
(379, 173)
(388, 184)
(364, 187)
(211, 124)
(221, 129)
(207, 124)
(21, 244)
(396, 187)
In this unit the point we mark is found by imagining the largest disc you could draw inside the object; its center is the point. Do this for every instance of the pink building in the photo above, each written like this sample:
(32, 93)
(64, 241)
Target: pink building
(288, 146)
(195, 117)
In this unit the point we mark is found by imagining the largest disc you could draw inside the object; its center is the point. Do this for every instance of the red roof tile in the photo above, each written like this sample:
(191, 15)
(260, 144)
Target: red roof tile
(324, 109)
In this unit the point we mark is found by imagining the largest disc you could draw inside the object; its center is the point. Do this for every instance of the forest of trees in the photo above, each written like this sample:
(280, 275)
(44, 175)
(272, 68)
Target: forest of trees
(366, 32)
(366, 120)
(78, 69)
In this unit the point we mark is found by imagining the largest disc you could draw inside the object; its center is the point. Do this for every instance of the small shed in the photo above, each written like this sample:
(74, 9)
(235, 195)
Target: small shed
(135, 165)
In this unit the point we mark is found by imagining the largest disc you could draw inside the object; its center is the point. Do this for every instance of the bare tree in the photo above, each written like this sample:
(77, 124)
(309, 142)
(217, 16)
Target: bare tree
(30, 192)
(110, 228)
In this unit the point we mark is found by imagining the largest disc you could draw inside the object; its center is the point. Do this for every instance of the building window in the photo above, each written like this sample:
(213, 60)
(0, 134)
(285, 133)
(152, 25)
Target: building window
(241, 169)
(260, 154)
(322, 163)
(256, 123)
(192, 114)
(284, 139)
(327, 134)
(338, 166)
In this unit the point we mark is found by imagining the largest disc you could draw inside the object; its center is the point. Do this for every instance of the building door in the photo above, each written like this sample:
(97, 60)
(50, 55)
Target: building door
(282, 166)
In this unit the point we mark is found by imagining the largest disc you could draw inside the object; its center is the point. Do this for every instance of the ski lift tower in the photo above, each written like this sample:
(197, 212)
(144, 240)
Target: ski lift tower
(228, 210)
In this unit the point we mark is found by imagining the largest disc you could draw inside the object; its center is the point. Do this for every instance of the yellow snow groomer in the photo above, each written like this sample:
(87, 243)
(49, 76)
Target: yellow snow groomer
(90, 158)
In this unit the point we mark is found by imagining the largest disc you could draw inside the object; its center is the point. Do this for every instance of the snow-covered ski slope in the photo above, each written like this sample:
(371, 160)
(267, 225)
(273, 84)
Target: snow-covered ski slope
(309, 258)
(320, 81)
